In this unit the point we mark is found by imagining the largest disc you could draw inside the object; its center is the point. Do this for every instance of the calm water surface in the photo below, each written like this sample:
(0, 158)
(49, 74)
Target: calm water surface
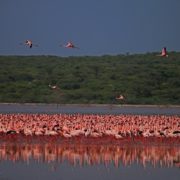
(30, 159)
(89, 109)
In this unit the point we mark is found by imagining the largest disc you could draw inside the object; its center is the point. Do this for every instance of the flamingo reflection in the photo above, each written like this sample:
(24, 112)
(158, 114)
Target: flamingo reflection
(81, 154)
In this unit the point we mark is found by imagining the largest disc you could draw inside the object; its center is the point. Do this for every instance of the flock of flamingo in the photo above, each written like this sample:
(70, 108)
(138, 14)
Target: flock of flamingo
(30, 44)
(69, 44)
(90, 125)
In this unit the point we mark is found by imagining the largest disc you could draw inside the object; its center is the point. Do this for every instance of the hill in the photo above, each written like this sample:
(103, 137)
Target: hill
(140, 78)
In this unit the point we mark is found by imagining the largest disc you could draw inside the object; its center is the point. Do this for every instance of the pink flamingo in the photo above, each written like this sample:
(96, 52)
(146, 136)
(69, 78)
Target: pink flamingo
(70, 45)
(120, 97)
(163, 52)
(29, 43)
(53, 87)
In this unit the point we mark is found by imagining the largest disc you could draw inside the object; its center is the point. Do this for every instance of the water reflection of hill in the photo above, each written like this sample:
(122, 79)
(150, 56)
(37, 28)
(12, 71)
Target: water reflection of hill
(82, 154)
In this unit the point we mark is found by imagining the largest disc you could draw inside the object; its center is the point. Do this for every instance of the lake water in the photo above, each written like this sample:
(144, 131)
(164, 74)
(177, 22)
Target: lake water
(45, 158)
(89, 109)
(37, 158)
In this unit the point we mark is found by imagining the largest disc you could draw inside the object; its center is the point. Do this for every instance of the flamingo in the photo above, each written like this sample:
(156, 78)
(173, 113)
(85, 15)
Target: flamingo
(53, 86)
(70, 45)
(29, 43)
(163, 52)
(120, 97)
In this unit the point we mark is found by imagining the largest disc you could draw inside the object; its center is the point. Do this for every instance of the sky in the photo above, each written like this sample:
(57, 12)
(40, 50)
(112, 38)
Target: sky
(97, 27)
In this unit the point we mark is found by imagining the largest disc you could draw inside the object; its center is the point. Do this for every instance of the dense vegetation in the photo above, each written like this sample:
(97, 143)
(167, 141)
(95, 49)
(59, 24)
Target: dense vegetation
(141, 78)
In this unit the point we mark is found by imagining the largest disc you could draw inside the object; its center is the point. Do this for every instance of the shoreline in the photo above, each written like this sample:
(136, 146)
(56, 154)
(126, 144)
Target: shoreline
(96, 105)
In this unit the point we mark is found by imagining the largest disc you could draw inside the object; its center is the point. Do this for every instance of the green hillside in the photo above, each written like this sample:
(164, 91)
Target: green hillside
(141, 78)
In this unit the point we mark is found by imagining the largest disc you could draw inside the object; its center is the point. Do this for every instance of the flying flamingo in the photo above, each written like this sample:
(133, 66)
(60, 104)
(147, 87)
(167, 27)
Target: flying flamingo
(163, 52)
(53, 86)
(120, 97)
(70, 45)
(29, 43)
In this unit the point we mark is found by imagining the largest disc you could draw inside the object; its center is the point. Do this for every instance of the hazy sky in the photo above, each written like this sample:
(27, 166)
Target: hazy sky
(98, 27)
